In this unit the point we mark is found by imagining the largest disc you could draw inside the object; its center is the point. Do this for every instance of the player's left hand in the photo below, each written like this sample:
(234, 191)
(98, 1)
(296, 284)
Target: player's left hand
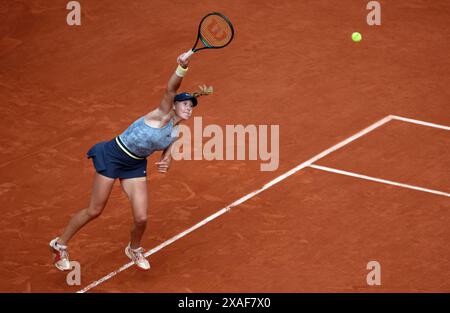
(163, 165)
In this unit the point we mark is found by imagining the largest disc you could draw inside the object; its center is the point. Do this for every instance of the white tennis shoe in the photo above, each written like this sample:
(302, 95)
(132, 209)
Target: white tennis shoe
(137, 256)
(60, 255)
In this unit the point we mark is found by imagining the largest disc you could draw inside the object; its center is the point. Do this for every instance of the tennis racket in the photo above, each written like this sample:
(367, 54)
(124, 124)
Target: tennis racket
(214, 32)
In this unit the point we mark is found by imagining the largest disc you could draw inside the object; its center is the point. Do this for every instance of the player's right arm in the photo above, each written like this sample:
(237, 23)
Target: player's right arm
(172, 86)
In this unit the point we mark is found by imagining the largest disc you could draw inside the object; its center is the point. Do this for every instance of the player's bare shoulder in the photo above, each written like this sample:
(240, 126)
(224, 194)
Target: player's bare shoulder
(157, 118)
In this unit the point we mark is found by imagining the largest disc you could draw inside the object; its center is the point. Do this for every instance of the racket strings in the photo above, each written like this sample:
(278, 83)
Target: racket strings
(215, 32)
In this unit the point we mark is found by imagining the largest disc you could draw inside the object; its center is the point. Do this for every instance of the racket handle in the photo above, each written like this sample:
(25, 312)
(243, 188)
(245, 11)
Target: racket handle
(187, 55)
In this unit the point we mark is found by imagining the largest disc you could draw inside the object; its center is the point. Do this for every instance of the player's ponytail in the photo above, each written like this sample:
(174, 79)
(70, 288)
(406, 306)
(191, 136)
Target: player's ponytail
(203, 91)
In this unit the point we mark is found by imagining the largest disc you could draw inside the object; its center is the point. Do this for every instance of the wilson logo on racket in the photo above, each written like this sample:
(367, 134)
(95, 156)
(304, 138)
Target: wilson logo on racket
(214, 32)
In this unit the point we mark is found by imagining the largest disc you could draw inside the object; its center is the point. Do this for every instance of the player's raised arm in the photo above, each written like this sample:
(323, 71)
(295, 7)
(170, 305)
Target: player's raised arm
(173, 84)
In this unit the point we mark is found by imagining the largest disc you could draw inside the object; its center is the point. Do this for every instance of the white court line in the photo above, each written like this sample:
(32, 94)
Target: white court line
(410, 120)
(379, 180)
(244, 198)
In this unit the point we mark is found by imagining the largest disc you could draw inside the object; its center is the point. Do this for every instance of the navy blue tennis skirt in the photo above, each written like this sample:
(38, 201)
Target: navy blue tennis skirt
(111, 161)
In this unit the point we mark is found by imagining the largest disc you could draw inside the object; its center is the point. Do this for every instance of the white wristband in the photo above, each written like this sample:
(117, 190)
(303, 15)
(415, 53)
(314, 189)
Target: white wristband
(180, 72)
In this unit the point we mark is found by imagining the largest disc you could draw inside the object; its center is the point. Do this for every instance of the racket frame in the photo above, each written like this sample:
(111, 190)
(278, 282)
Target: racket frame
(193, 50)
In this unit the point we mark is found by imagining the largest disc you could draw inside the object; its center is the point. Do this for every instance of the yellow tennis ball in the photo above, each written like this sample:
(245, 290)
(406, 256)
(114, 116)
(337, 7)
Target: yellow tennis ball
(356, 37)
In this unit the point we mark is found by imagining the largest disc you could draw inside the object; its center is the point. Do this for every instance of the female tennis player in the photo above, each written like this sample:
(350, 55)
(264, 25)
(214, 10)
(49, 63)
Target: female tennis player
(124, 158)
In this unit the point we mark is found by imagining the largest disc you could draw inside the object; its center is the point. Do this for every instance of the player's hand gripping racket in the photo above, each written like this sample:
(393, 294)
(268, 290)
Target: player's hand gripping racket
(214, 32)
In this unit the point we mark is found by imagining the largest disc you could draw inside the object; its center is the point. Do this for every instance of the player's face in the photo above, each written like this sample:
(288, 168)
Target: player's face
(183, 109)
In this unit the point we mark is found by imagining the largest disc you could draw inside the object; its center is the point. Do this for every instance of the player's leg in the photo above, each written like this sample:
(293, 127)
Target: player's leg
(136, 190)
(100, 193)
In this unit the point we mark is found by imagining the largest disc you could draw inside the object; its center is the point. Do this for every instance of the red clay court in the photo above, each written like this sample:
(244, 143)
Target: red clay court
(364, 146)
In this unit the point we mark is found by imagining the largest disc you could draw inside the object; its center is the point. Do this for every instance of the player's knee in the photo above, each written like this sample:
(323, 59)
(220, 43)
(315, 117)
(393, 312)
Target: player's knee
(140, 220)
(94, 210)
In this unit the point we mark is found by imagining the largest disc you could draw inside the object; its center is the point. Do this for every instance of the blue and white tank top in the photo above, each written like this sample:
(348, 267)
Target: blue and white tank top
(142, 139)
